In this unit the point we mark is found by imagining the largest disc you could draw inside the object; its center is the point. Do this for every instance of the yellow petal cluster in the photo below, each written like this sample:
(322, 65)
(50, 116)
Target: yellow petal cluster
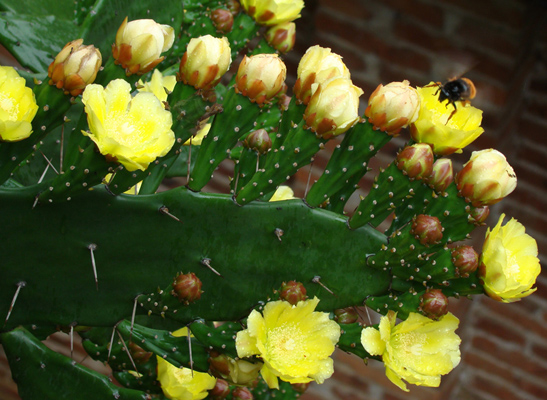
(294, 342)
(418, 350)
(206, 60)
(445, 131)
(260, 77)
(273, 12)
(132, 130)
(17, 106)
(509, 264)
(181, 383)
(159, 85)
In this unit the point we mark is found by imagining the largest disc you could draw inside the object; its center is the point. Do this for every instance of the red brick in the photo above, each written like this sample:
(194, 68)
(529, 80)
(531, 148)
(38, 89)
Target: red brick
(354, 9)
(500, 330)
(414, 33)
(537, 107)
(491, 37)
(407, 58)
(492, 387)
(540, 351)
(507, 12)
(533, 130)
(426, 13)
(478, 361)
(539, 391)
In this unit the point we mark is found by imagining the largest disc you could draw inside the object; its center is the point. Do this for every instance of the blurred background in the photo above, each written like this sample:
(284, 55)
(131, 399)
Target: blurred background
(501, 45)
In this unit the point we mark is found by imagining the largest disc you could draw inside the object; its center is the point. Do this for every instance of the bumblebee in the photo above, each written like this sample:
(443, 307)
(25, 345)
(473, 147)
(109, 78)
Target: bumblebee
(457, 89)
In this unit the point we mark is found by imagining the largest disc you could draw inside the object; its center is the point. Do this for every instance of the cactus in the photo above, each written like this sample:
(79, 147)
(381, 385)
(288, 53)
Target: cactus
(125, 270)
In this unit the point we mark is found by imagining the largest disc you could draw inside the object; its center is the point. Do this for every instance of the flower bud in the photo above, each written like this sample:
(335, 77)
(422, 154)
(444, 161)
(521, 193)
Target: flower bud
(393, 106)
(427, 229)
(293, 292)
(486, 178)
(221, 390)
(219, 364)
(139, 355)
(479, 214)
(318, 65)
(17, 106)
(416, 161)
(233, 6)
(434, 304)
(282, 37)
(206, 59)
(242, 393)
(333, 107)
(442, 175)
(258, 141)
(75, 67)
(139, 44)
(260, 77)
(346, 315)
(465, 259)
(300, 387)
(273, 12)
(223, 20)
(187, 287)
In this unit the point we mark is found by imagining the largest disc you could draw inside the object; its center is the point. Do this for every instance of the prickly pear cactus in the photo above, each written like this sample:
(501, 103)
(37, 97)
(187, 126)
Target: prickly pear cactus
(265, 286)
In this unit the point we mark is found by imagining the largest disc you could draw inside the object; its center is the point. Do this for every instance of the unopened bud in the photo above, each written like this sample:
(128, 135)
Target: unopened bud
(465, 259)
(259, 141)
(479, 215)
(233, 6)
(434, 304)
(219, 364)
(300, 387)
(427, 229)
(416, 160)
(260, 77)
(346, 315)
(223, 20)
(187, 287)
(282, 37)
(242, 393)
(442, 175)
(221, 390)
(293, 292)
(139, 355)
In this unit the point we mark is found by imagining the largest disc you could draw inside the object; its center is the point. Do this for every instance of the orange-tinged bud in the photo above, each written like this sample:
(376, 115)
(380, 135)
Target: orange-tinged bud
(140, 356)
(261, 77)
(393, 106)
(427, 229)
(140, 43)
(333, 107)
(75, 67)
(282, 37)
(434, 304)
(300, 387)
(486, 178)
(318, 65)
(416, 161)
(465, 259)
(206, 60)
(259, 141)
(442, 175)
(479, 215)
(273, 12)
(223, 20)
(221, 390)
(242, 393)
(293, 292)
(346, 315)
(187, 287)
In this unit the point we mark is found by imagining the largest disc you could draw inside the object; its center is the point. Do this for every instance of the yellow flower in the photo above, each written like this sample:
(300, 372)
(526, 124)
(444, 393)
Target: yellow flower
(418, 350)
(317, 65)
(333, 107)
(273, 12)
(179, 384)
(17, 106)
(75, 67)
(445, 133)
(134, 131)
(139, 44)
(295, 342)
(283, 193)
(486, 178)
(159, 85)
(509, 264)
(260, 77)
(206, 60)
(238, 372)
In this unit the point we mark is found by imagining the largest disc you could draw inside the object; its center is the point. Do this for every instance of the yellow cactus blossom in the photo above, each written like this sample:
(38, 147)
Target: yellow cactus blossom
(17, 106)
(132, 130)
(418, 350)
(261, 77)
(273, 12)
(159, 85)
(283, 193)
(181, 383)
(509, 265)
(294, 342)
(437, 125)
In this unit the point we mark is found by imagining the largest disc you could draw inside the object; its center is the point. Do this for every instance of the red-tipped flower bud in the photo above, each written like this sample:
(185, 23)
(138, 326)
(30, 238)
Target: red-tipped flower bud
(416, 160)
(261, 77)
(301, 387)
(465, 259)
(442, 175)
(346, 315)
(259, 141)
(434, 304)
(221, 390)
(427, 229)
(479, 214)
(187, 287)
(282, 37)
(293, 292)
(219, 364)
(223, 20)
(242, 393)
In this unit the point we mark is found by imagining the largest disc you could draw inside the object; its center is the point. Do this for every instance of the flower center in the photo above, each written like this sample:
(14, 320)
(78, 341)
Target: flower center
(124, 130)
(285, 345)
(9, 106)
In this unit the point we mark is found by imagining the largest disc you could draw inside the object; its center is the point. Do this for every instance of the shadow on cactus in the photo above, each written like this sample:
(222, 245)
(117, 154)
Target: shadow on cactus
(265, 285)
